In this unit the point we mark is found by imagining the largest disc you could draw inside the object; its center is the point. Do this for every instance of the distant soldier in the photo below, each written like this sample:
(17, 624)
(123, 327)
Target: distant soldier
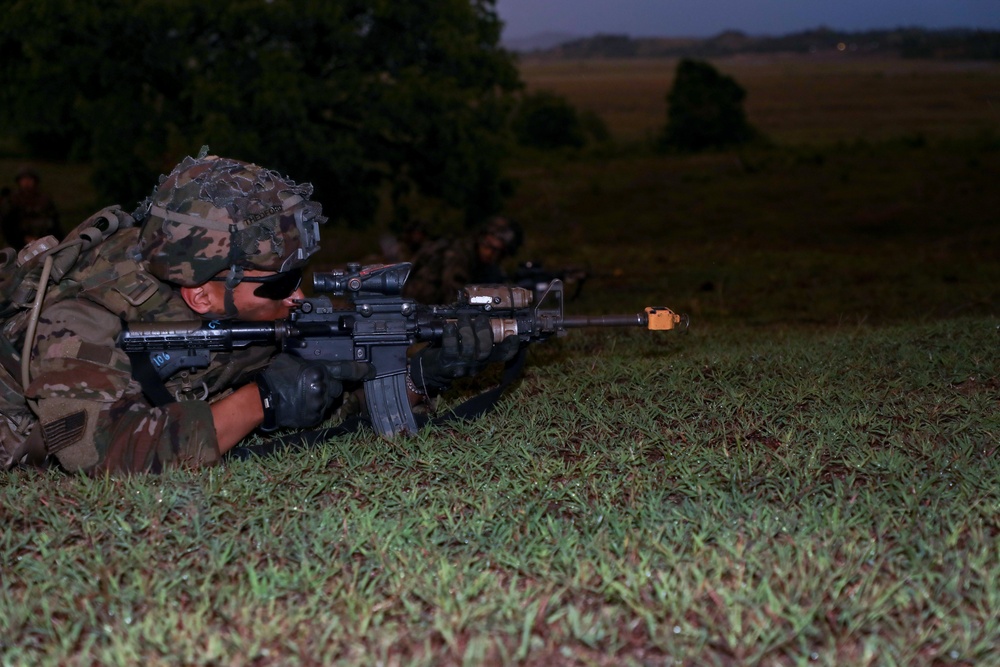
(442, 267)
(405, 247)
(27, 213)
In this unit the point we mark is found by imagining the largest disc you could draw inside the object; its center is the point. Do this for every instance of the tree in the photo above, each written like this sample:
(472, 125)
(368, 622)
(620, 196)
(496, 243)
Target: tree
(361, 97)
(705, 110)
(547, 121)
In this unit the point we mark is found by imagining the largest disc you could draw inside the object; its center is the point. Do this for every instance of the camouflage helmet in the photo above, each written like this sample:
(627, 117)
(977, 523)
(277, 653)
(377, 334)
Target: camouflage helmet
(211, 214)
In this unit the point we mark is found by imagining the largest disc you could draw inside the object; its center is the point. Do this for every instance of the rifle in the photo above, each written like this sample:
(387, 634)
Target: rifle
(534, 276)
(378, 327)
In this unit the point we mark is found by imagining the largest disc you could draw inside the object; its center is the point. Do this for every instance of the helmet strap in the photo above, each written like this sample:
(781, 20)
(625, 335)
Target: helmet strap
(232, 280)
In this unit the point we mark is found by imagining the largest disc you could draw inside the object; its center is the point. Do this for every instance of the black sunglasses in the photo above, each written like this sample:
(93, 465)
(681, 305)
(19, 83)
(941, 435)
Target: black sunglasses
(275, 287)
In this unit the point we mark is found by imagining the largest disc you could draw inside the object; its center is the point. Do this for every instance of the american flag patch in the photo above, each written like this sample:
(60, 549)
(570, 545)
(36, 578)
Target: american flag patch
(63, 432)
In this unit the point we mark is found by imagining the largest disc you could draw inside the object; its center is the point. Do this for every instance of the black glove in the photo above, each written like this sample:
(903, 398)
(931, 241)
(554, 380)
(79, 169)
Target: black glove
(466, 348)
(297, 393)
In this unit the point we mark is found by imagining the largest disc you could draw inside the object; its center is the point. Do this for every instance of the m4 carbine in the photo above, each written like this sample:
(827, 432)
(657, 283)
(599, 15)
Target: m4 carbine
(378, 328)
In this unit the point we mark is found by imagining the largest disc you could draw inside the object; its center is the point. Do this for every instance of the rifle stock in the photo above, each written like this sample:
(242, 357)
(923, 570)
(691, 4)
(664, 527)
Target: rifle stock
(379, 327)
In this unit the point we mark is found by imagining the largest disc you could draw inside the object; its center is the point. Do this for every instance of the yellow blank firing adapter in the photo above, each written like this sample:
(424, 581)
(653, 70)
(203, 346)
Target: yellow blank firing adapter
(664, 319)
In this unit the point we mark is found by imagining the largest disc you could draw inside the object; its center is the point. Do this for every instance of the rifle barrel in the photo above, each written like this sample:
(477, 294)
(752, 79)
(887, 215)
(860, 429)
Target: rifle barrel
(579, 321)
(654, 319)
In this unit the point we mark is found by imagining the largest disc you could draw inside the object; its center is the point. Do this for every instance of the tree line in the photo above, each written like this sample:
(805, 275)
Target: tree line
(953, 44)
(373, 101)
(368, 99)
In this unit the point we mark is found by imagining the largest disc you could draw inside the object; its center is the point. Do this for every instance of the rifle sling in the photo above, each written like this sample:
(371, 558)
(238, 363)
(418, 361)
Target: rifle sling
(145, 374)
(473, 408)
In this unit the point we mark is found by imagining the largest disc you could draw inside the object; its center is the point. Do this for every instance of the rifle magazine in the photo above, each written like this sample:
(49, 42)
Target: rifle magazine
(389, 406)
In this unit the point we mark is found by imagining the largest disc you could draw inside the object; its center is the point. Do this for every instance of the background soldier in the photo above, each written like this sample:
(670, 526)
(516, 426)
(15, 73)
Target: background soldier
(442, 267)
(415, 234)
(27, 213)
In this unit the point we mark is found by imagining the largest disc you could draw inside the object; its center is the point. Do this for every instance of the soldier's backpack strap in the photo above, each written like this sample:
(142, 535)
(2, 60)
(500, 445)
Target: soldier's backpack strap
(52, 265)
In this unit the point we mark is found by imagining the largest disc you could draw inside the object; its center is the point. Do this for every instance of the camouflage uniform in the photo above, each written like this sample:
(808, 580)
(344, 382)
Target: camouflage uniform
(93, 414)
(441, 268)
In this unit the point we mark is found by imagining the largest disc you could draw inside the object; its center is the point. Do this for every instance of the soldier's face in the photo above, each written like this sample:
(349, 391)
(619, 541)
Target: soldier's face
(490, 249)
(256, 308)
(249, 306)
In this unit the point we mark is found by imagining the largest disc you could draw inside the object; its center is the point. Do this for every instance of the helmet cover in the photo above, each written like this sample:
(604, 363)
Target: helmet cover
(211, 214)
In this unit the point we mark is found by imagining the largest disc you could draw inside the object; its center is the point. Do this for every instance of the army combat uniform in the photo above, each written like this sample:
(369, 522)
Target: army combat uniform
(93, 414)
(212, 220)
(444, 266)
(207, 217)
(440, 269)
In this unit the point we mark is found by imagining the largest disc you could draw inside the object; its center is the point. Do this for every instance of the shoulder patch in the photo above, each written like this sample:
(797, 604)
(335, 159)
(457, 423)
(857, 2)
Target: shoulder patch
(65, 431)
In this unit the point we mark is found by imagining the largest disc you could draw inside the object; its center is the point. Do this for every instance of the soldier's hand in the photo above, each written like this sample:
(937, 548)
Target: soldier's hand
(466, 348)
(506, 349)
(350, 371)
(297, 393)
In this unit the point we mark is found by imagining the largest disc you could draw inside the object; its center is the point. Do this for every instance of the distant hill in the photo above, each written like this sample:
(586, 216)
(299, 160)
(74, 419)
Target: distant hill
(964, 44)
(540, 42)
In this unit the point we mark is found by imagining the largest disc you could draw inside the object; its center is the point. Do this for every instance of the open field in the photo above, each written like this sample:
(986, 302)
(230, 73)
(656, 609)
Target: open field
(877, 233)
(794, 99)
(810, 476)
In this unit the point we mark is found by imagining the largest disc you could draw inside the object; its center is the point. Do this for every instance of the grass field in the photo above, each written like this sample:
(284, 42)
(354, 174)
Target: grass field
(811, 475)
(793, 99)
(737, 496)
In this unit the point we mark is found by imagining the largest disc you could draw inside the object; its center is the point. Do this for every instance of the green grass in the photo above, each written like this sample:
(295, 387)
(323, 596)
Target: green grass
(810, 476)
(734, 495)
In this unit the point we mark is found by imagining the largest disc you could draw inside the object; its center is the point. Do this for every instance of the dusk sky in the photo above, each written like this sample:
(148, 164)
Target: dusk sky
(700, 18)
